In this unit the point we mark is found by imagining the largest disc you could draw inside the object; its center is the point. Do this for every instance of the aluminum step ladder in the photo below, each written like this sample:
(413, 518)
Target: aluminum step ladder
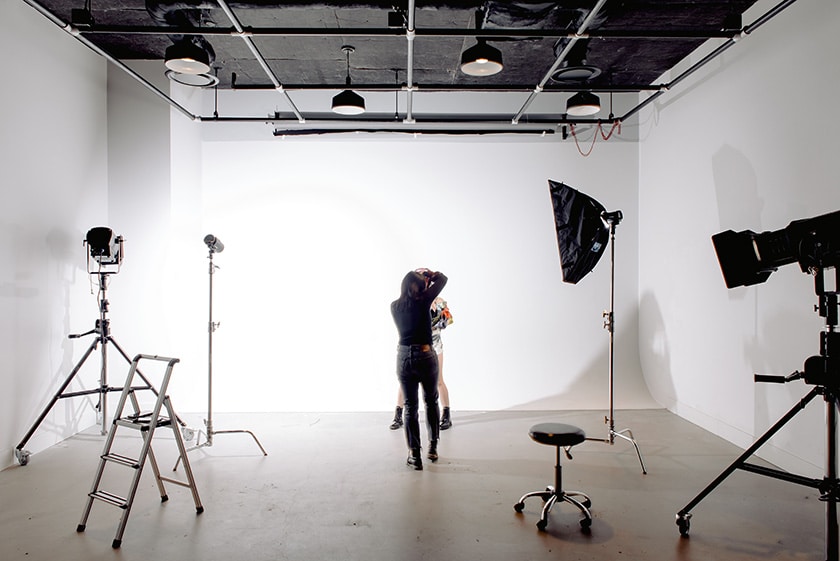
(145, 423)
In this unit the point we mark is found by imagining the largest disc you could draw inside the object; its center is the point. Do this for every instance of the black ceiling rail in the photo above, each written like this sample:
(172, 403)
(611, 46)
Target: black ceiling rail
(444, 88)
(643, 34)
(418, 130)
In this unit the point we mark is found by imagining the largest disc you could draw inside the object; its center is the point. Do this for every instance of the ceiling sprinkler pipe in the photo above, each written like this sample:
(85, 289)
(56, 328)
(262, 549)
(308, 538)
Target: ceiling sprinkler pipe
(260, 59)
(560, 58)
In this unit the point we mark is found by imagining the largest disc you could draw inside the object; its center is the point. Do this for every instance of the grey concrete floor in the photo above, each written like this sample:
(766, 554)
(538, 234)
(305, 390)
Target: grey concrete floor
(335, 486)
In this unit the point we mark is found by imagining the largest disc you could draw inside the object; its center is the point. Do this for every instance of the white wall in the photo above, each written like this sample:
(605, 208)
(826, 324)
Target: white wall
(53, 155)
(729, 150)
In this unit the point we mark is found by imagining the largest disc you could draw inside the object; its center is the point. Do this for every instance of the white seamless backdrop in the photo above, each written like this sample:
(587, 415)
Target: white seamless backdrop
(318, 234)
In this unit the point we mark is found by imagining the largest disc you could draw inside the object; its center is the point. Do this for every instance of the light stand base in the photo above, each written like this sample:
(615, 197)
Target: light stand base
(208, 438)
(624, 434)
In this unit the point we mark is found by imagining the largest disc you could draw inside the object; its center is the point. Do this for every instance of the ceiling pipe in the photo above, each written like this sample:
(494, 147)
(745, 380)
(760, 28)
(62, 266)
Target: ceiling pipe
(119, 64)
(764, 18)
(681, 34)
(506, 88)
(250, 43)
(560, 58)
(409, 79)
(421, 131)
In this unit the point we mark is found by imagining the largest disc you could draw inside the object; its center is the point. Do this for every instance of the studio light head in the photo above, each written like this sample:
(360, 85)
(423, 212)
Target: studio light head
(104, 247)
(747, 258)
(214, 244)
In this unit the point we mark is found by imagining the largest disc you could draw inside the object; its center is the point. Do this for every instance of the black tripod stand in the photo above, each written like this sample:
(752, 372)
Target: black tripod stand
(103, 337)
(613, 219)
(823, 372)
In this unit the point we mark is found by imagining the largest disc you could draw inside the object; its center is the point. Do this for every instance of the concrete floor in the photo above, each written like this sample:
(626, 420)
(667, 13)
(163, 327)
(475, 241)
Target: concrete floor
(334, 486)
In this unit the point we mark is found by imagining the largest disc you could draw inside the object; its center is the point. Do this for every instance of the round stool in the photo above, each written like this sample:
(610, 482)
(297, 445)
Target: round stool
(559, 435)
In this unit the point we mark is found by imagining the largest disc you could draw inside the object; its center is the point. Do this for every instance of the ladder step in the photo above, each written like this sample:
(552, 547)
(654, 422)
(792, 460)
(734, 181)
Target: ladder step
(122, 460)
(141, 422)
(110, 498)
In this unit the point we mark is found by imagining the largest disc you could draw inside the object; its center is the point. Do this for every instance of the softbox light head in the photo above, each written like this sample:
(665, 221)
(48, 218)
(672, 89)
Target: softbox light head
(747, 258)
(582, 233)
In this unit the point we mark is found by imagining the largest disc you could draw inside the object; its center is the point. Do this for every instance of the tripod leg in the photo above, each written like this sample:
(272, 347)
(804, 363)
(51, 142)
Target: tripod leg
(832, 553)
(683, 515)
(20, 453)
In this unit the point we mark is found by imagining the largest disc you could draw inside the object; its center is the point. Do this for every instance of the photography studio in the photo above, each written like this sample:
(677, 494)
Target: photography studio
(238, 235)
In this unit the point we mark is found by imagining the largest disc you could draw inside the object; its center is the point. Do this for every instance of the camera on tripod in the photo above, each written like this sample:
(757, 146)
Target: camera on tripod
(104, 248)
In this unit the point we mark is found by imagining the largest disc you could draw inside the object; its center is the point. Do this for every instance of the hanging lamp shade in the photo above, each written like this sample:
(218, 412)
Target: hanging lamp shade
(187, 58)
(481, 60)
(583, 104)
(348, 102)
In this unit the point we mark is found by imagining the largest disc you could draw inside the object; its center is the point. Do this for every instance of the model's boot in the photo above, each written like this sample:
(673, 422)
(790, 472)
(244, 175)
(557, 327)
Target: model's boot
(414, 460)
(433, 455)
(446, 419)
(398, 419)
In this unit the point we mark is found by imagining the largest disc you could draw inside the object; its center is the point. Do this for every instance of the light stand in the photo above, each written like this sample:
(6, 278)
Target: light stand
(612, 219)
(215, 246)
(103, 337)
(823, 372)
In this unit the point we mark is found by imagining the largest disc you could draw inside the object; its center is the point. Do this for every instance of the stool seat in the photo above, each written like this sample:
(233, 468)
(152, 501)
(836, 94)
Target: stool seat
(557, 434)
(561, 436)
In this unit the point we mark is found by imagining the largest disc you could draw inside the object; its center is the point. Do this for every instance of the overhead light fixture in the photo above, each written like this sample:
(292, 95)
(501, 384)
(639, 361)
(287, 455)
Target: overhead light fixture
(481, 59)
(583, 104)
(192, 80)
(348, 102)
(574, 67)
(188, 57)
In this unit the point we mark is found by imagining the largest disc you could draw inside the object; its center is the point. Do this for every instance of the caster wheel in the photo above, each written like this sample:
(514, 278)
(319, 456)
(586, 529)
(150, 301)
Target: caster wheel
(541, 525)
(518, 507)
(683, 524)
(587, 503)
(586, 524)
(22, 456)
(188, 433)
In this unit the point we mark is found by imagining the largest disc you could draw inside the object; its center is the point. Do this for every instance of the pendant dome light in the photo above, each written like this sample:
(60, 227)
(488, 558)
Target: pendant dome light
(583, 104)
(348, 102)
(188, 57)
(481, 59)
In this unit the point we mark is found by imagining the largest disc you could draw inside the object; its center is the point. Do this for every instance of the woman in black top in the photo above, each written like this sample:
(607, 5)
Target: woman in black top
(417, 363)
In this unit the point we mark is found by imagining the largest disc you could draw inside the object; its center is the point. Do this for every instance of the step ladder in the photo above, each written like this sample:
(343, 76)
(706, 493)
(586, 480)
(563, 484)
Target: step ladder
(145, 423)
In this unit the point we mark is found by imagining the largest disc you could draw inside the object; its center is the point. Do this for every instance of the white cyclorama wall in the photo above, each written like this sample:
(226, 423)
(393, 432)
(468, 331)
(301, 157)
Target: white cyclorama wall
(53, 154)
(732, 149)
(320, 232)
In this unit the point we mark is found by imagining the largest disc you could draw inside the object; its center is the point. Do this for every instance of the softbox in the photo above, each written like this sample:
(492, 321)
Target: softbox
(582, 235)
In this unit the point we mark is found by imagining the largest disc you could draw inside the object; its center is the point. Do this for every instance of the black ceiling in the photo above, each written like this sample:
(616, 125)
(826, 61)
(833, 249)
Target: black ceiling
(297, 45)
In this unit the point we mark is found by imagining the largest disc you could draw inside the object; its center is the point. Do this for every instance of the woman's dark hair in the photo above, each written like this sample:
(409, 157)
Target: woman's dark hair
(412, 285)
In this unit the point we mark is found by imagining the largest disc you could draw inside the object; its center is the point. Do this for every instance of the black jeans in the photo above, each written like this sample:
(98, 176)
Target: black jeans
(417, 365)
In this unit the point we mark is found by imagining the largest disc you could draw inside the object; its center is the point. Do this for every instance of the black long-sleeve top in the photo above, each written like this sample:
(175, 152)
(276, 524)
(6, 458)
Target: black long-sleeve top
(413, 315)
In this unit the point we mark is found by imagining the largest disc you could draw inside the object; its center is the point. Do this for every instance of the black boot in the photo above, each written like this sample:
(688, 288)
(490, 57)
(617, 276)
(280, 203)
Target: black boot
(433, 455)
(414, 460)
(445, 420)
(398, 419)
